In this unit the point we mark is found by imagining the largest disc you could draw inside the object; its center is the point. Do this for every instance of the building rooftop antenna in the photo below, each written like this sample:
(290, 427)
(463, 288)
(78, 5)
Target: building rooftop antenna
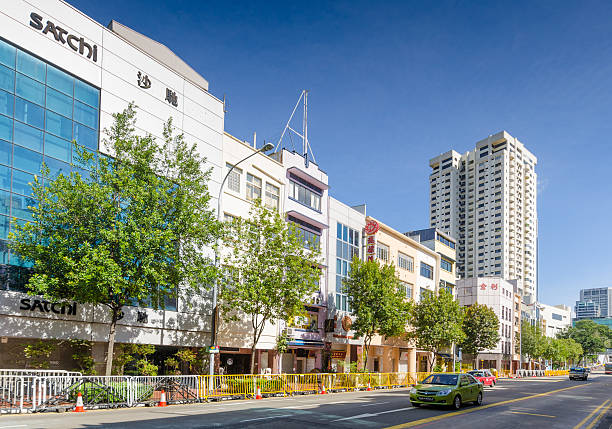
(306, 149)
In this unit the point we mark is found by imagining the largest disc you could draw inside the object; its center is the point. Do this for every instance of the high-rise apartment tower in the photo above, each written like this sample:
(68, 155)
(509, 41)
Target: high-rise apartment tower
(486, 199)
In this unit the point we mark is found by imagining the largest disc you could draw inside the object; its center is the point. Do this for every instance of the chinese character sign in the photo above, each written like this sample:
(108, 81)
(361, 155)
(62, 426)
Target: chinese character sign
(171, 97)
(371, 228)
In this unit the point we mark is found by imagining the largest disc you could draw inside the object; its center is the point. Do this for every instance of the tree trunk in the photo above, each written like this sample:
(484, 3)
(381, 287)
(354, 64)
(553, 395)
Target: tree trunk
(253, 359)
(111, 341)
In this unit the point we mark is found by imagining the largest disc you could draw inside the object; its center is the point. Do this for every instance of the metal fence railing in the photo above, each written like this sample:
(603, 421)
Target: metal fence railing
(49, 391)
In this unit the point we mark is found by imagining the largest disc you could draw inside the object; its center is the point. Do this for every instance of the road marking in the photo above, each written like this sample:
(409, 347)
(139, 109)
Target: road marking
(599, 416)
(13, 426)
(586, 419)
(265, 418)
(375, 403)
(482, 407)
(366, 415)
(532, 414)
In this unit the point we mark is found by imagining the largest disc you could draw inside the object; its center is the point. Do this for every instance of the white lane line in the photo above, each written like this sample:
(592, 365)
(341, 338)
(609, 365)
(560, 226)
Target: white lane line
(265, 418)
(294, 407)
(14, 426)
(361, 416)
(375, 403)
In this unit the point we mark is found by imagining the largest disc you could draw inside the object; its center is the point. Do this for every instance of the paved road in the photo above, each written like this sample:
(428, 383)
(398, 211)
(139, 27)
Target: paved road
(529, 403)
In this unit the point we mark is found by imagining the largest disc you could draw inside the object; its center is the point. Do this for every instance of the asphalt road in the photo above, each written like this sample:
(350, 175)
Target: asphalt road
(553, 402)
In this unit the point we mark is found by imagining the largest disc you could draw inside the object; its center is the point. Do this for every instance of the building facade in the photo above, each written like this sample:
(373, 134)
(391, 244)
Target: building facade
(445, 246)
(555, 318)
(499, 295)
(486, 199)
(594, 302)
(62, 76)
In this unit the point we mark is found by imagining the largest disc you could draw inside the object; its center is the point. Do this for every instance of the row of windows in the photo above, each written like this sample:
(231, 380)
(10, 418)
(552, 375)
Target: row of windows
(254, 188)
(304, 195)
(347, 247)
(444, 240)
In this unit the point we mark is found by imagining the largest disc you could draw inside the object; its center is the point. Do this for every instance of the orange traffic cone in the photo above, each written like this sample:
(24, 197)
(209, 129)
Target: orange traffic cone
(323, 391)
(79, 404)
(258, 394)
(162, 401)
(369, 388)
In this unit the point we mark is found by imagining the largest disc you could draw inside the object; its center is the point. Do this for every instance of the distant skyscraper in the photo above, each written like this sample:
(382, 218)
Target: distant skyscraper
(486, 199)
(595, 302)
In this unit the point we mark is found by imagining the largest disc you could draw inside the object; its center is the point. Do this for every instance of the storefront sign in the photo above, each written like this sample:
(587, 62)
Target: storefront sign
(143, 80)
(171, 97)
(338, 354)
(46, 306)
(494, 286)
(347, 323)
(77, 44)
(370, 229)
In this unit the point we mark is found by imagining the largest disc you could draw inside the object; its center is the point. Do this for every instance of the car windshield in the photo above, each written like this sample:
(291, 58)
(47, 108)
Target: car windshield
(476, 373)
(443, 379)
(577, 369)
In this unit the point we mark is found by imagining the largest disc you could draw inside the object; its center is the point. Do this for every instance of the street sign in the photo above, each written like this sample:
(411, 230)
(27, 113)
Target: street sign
(213, 349)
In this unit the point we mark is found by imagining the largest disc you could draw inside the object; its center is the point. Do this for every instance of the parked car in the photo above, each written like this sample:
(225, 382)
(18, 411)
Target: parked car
(447, 389)
(578, 373)
(484, 376)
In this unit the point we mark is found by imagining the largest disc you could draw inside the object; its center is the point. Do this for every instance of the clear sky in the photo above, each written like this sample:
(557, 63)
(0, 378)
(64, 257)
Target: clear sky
(393, 84)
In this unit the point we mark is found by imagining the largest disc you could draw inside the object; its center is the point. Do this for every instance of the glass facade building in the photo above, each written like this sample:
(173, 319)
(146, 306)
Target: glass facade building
(42, 111)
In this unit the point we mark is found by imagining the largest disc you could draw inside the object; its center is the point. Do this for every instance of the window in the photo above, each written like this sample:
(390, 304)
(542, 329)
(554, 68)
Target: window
(233, 179)
(310, 239)
(406, 288)
(347, 248)
(36, 125)
(272, 196)
(446, 265)
(253, 187)
(305, 195)
(406, 262)
(228, 217)
(426, 270)
(423, 293)
(382, 252)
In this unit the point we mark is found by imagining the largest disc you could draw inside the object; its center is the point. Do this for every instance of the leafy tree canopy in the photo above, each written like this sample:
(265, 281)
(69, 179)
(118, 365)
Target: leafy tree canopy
(481, 329)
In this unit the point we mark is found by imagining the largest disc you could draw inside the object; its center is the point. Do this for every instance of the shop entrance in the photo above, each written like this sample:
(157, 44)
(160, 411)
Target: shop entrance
(235, 363)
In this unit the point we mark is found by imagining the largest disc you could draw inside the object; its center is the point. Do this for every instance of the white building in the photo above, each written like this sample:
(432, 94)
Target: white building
(555, 318)
(67, 75)
(486, 199)
(497, 294)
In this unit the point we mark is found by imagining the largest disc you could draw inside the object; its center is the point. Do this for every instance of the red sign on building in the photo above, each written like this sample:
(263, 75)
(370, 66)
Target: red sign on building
(371, 227)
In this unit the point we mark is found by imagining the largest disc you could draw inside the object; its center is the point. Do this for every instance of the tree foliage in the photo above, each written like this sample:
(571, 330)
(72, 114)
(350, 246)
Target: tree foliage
(436, 322)
(270, 274)
(481, 329)
(592, 337)
(376, 300)
(130, 233)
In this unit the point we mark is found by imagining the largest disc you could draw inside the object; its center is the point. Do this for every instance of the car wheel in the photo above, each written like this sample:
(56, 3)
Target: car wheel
(493, 384)
(478, 399)
(415, 405)
(457, 402)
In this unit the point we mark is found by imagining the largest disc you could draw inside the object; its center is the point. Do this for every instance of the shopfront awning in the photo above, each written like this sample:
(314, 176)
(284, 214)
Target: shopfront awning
(313, 344)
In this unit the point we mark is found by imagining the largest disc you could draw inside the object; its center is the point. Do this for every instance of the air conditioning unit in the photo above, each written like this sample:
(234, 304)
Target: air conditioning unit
(289, 332)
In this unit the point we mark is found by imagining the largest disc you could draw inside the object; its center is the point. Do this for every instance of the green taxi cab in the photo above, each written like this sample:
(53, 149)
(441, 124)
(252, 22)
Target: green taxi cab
(447, 389)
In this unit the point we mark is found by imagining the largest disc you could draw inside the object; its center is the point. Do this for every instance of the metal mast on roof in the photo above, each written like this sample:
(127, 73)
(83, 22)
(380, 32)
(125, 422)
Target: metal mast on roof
(306, 149)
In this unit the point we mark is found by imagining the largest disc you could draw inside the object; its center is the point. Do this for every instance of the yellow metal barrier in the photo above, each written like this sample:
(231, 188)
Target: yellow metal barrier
(557, 372)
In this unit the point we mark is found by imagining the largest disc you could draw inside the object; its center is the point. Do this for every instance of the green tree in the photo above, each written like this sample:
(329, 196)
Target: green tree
(533, 342)
(270, 273)
(376, 300)
(592, 337)
(436, 323)
(481, 329)
(130, 233)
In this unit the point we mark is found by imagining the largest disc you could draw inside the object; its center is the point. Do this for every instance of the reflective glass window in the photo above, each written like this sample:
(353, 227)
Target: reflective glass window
(3, 252)
(57, 148)
(30, 113)
(4, 226)
(85, 93)
(60, 80)
(56, 167)
(31, 66)
(27, 136)
(6, 152)
(86, 175)
(5, 178)
(5, 202)
(26, 160)
(7, 79)
(30, 89)
(6, 103)
(86, 136)
(19, 206)
(7, 54)
(59, 125)
(6, 128)
(85, 115)
(58, 102)
(22, 182)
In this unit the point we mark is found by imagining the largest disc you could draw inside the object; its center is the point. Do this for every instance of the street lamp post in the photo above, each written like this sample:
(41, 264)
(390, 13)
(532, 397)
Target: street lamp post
(213, 325)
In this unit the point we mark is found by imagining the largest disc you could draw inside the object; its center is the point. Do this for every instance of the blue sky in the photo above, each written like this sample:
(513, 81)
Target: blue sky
(393, 84)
